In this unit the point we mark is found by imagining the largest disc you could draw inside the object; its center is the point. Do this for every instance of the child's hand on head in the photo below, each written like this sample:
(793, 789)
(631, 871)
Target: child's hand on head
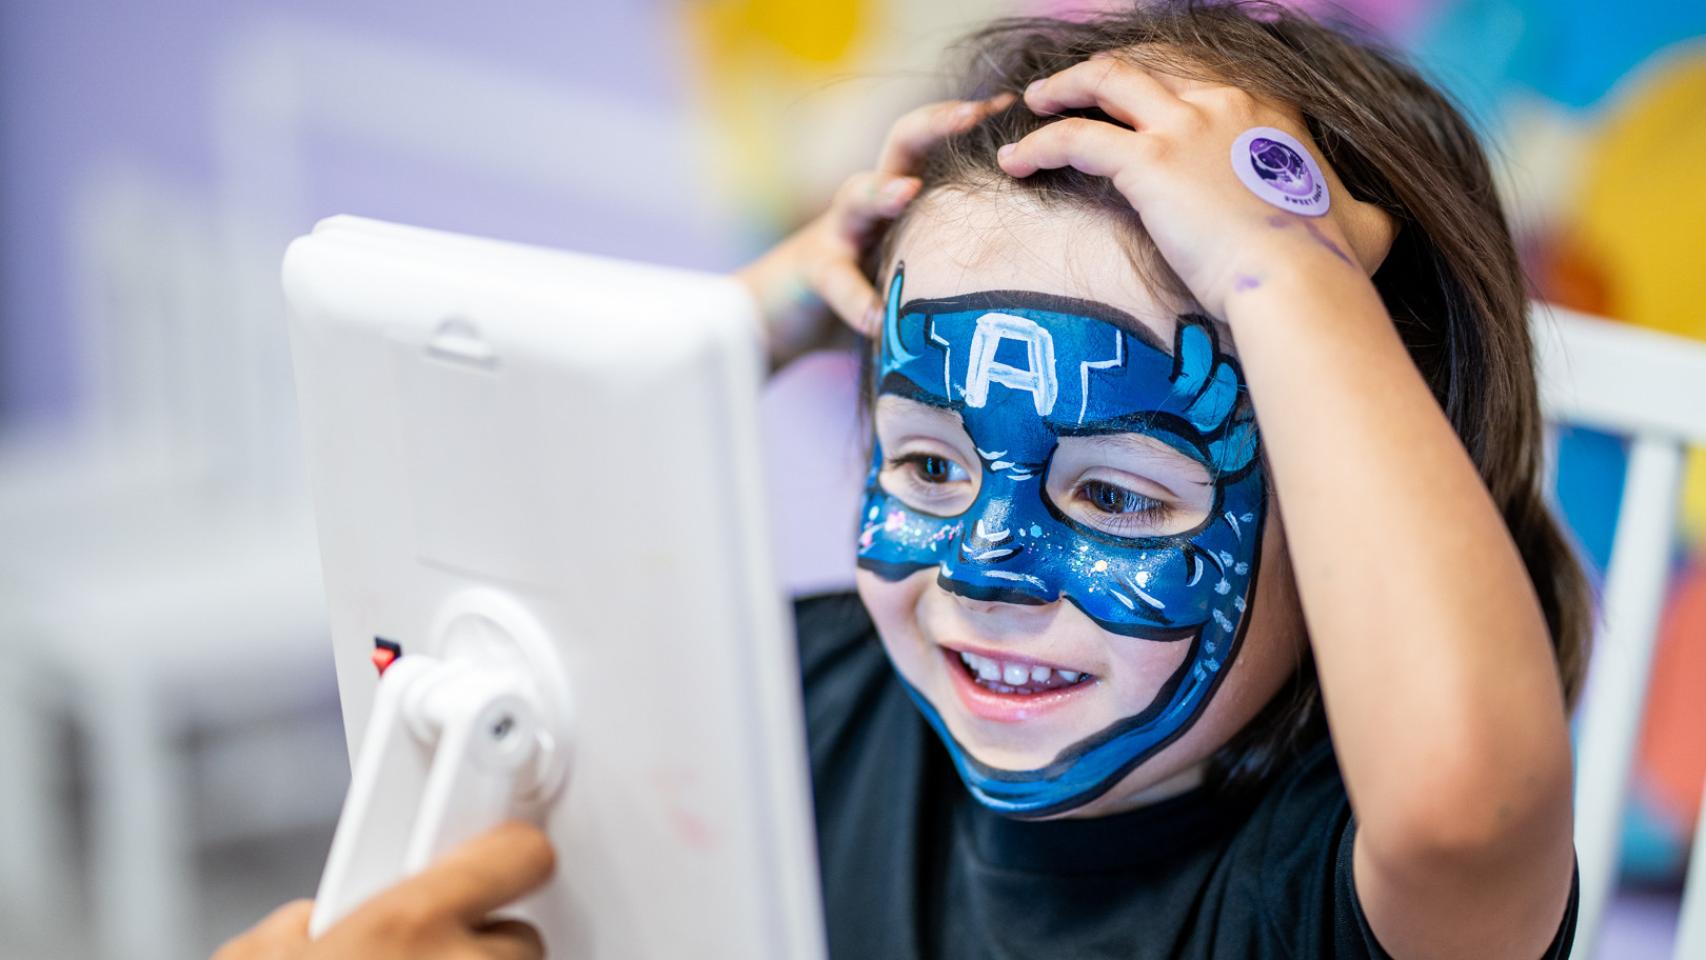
(820, 261)
(1176, 168)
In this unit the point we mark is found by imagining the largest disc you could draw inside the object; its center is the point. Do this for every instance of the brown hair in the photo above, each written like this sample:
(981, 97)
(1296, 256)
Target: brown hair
(1452, 282)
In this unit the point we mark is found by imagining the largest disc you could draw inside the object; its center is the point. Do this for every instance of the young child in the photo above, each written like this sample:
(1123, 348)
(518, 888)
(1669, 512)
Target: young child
(1208, 606)
(1203, 534)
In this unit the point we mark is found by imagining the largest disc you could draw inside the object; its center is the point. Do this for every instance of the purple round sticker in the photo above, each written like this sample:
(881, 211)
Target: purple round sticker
(1280, 170)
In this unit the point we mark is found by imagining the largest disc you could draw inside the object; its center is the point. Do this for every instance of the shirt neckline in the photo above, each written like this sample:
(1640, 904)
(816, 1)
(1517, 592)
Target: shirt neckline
(1122, 842)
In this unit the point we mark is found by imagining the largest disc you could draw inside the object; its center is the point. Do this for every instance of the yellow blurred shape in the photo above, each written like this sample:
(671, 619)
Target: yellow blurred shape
(817, 31)
(1694, 497)
(757, 57)
(1642, 217)
(1643, 212)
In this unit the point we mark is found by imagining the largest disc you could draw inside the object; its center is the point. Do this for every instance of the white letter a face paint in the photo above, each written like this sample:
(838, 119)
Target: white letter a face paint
(1280, 170)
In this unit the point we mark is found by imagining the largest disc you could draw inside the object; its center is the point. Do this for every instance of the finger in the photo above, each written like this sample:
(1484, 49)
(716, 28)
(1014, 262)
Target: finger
(1156, 60)
(1124, 91)
(865, 199)
(917, 129)
(843, 286)
(477, 877)
(1092, 146)
(289, 921)
(510, 940)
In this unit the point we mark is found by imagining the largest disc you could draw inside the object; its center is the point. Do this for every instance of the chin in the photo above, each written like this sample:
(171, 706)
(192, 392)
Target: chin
(1167, 774)
(942, 648)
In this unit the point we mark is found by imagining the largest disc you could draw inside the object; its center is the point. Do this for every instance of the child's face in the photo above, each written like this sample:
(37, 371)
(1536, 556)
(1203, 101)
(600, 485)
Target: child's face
(1056, 497)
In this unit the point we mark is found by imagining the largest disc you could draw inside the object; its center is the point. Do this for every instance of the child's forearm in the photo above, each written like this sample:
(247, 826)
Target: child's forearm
(1435, 661)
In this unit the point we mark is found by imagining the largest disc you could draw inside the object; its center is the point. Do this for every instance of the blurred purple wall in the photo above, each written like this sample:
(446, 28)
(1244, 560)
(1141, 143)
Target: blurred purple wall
(84, 84)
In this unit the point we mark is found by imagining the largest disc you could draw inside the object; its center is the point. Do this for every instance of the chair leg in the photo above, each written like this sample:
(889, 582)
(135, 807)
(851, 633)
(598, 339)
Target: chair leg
(1691, 929)
(140, 860)
(36, 870)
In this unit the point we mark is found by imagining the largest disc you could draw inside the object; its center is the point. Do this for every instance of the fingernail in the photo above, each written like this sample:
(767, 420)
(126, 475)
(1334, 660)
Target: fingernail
(1032, 88)
(1005, 151)
(896, 190)
(873, 319)
(965, 111)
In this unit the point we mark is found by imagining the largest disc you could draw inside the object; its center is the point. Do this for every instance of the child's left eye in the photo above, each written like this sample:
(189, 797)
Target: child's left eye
(1121, 507)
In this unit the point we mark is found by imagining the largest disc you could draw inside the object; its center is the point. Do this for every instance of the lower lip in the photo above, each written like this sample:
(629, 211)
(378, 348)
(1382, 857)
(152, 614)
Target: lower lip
(1006, 707)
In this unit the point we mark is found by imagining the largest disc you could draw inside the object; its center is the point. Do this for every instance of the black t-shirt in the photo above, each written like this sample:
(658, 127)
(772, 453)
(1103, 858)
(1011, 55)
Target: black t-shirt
(914, 868)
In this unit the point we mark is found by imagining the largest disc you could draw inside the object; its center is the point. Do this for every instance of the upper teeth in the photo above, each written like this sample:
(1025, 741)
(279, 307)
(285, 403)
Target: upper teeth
(1014, 674)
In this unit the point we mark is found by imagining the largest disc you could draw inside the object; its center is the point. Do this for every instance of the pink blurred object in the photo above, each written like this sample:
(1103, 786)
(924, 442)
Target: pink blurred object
(814, 469)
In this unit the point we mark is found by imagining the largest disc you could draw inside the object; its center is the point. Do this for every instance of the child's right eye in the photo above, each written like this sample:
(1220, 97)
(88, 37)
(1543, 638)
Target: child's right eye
(931, 482)
(933, 469)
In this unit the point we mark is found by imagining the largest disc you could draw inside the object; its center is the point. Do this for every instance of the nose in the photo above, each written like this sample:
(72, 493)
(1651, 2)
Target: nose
(989, 543)
(974, 587)
(990, 565)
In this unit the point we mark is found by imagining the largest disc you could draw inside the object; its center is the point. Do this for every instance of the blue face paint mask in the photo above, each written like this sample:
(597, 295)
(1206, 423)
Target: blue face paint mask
(1024, 370)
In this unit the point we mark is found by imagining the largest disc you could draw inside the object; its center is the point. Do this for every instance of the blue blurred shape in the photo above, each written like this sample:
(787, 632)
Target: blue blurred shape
(1569, 51)
(1589, 489)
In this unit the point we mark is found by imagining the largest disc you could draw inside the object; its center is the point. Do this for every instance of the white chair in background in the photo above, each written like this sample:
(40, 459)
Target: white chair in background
(1650, 388)
(147, 589)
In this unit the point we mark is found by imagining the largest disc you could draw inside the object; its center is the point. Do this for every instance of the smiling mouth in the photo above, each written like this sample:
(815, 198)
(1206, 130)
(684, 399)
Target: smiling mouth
(1016, 678)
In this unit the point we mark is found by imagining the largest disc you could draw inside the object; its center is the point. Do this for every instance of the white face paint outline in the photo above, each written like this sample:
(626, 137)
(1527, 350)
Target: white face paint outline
(1038, 379)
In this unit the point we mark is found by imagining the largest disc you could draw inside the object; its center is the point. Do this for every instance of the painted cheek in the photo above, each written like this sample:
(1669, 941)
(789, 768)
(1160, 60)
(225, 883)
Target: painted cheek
(894, 541)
